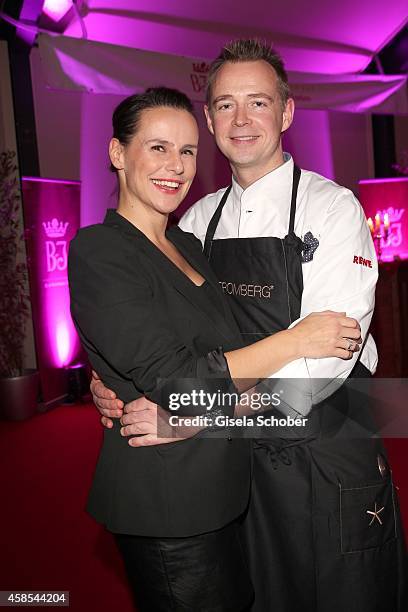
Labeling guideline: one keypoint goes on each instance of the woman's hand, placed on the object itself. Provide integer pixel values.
(327, 334)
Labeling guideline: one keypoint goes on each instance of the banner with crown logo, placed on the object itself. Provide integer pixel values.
(100, 68)
(52, 216)
(387, 200)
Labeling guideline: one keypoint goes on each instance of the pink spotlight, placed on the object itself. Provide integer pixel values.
(56, 9)
(63, 343)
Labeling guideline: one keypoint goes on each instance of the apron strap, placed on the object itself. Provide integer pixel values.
(212, 226)
(295, 185)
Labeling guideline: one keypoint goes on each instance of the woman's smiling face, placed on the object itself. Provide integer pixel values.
(157, 167)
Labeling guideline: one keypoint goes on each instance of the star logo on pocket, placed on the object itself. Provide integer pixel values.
(375, 514)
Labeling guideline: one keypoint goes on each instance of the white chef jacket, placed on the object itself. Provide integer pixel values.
(341, 276)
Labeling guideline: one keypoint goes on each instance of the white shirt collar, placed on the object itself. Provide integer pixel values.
(275, 182)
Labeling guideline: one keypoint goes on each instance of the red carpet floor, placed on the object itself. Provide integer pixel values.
(48, 542)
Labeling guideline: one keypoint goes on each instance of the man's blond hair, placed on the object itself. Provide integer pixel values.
(250, 50)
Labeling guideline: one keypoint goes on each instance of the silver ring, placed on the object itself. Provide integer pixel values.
(350, 345)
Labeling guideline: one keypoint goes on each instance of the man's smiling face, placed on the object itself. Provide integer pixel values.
(247, 117)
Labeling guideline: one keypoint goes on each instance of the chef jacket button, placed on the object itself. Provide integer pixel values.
(382, 466)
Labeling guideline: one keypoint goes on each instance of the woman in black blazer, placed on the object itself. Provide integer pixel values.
(154, 322)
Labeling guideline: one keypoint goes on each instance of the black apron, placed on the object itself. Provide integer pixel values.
(307, 533)
(263, 276)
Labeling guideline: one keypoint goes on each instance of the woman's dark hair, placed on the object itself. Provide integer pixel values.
(126, 116)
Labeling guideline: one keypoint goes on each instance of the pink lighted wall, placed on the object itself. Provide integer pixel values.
(388, 196)
(308, 140)
(51, 210)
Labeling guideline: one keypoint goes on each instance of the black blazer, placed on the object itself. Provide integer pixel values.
(149, 330)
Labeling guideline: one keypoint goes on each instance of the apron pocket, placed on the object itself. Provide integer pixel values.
(367, 517)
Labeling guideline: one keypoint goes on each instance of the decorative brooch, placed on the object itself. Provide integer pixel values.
(310, 244)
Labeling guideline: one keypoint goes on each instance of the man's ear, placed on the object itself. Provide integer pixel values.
(288, 113)
(208, 118)
(116, 154)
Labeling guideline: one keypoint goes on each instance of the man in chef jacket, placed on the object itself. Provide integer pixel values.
(322, 517)
(249, 107)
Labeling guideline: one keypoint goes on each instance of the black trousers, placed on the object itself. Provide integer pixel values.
(203, 573)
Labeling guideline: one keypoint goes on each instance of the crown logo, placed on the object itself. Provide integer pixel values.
(201, 68)
(394, 214)
(54, 229)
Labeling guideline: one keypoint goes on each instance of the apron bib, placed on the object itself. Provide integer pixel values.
(261, 276)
